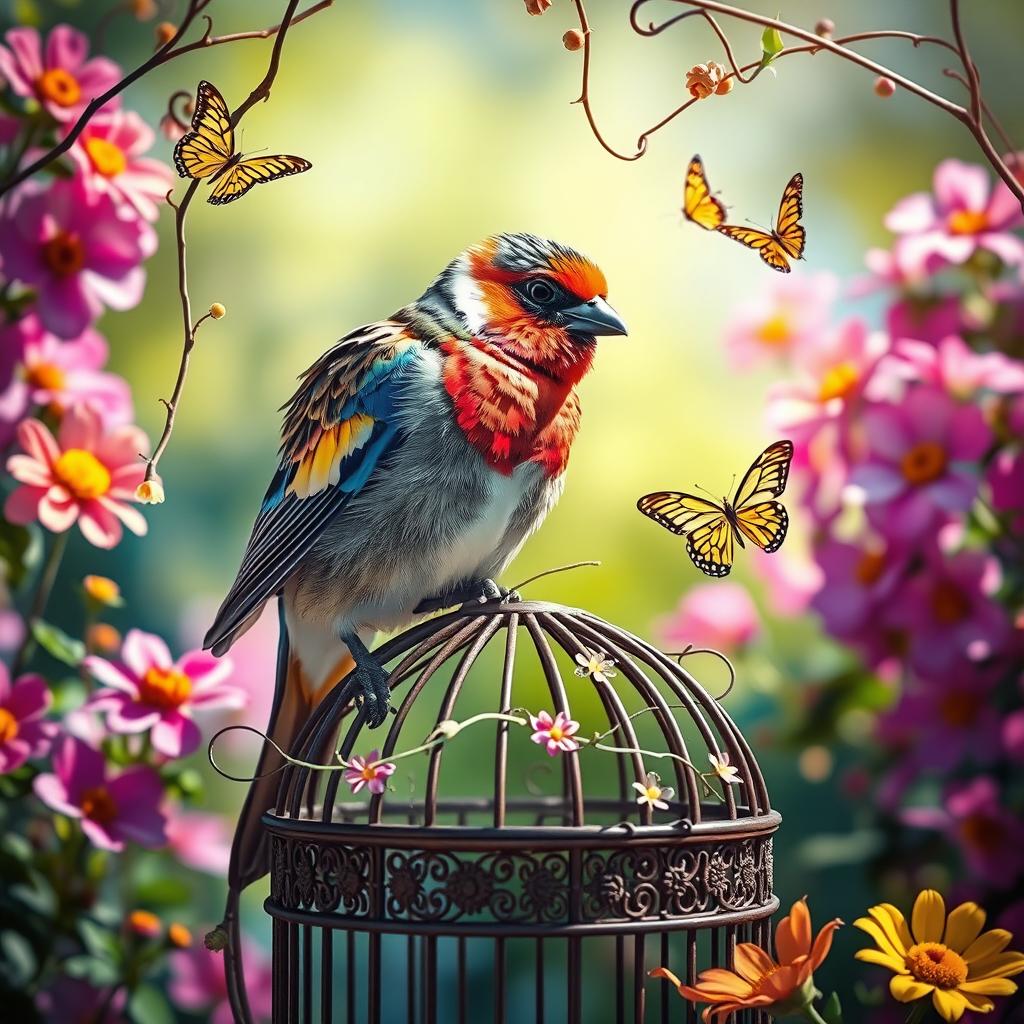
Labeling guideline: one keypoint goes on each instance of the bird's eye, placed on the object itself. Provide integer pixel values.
(540, 292)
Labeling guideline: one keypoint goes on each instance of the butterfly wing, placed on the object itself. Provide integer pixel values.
(699, 205)
(710, 546)
(765, 524)
(709, 536)
(762, 242)
(759, 518)
(254, 171)
(789, 233)
(211, 143)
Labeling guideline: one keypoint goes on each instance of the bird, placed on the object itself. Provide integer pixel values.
(417, 455)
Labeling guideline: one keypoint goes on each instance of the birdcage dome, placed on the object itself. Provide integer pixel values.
(484, 842)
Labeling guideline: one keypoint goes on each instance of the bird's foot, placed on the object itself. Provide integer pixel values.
(373, 694)
(478, 591)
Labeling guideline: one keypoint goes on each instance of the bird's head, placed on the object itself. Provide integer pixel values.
(541, 303)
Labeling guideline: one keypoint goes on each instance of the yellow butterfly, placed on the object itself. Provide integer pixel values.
(711, 529)
(785, 239)
(699, 205)
(208, 151)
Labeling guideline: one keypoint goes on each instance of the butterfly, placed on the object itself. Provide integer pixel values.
(712, 529)
(699, 205)
(208, 151)
(785, 239)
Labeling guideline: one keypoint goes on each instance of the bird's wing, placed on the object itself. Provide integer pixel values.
(337, 427)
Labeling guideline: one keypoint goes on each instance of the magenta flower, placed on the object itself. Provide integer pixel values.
(964, 214)
(951, 366)
(199, 840)
(832, 377)
(149, 692)
(717, 615)
(922, 461)
(947, 612)
(23, 732)
(55, 374)
(77, 252)
(109, 154)
(1006, 484)
(554, 734)
(365, 771)
(197, 983)
(113, 810)
(85, 475)
(61, 78)
(791, 313)
(791, 578)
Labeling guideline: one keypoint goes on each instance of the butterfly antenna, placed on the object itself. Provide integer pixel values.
(706, 491)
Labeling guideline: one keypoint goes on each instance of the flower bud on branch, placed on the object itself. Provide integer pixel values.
(704, 79)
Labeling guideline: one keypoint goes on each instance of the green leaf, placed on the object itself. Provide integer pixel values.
(163, 892)
(99, 973)
(17, 959)
(771, 45)
(832, 1011)
(58, 644)
(149, 1006)
(16, 552)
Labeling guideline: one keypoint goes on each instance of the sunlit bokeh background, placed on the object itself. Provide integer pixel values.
(431, 123)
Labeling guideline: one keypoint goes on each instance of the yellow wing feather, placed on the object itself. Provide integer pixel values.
(699, 205)
(211, 143)
(254, 171)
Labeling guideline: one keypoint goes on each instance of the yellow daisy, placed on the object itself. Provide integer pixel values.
(947, 958)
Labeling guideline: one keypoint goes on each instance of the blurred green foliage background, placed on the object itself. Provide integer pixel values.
(431, 123)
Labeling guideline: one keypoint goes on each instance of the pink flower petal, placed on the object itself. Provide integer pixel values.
(66, 48)
(22, 505)
(175, 735)
(29, 698)
(80, 428)
(111, 675)
(99, 526)
(36, 439)
(960, 186)
(142, 651)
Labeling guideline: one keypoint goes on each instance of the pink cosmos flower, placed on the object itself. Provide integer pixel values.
(199, 840)
(1006, 484)
(791, 313)
(56, 374)
(197, 983)
(77, 252)
(23, 733)
(965, 214)
(792, 579)
(113, 810)
(85, 475)
(148, 692)
(364, 772)
(554, 734)
(833, 375)
(109, 156)
(61, 78)
(990, 836)
(717, 615)
(922, 461)
(952, 366)
(948, 614)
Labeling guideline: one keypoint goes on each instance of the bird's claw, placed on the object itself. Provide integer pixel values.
(374, 697)
(478, 592)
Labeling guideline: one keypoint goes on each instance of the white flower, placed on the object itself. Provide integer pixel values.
(595, 665)
(653, 793)
(720, 766)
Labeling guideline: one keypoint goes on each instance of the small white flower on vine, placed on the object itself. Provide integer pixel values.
(595, 665)
(720, 766)
(653, 793)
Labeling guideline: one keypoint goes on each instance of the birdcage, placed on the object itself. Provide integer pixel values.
(496, 883)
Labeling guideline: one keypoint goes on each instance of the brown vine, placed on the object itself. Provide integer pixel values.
(973, 116)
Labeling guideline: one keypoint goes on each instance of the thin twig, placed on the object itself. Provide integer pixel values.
(168, 52)
(260, 92)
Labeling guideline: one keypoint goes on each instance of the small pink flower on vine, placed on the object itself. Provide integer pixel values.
(653, 793)
(556, 734)
(369, 771)
(595, 665)
(728, 773)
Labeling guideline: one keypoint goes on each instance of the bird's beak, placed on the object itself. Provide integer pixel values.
(595, 317)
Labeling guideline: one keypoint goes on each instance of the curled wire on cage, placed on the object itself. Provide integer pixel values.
(690, 649)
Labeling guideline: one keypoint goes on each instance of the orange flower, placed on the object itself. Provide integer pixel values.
(781, 987)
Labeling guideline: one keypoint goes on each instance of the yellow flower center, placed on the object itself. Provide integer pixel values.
(949, 603)
(967, 222)
(555, 733)
(98, 804)
(653, 792)
(838, 382)
(59, 86)
(106, 158)
(82, 474)
(45, 376)
(165, 688)
(925, 462)
(774, 331)
(936, 964)
(8, 726)
(869, 568)
(959, 709)
(64, 254)
(369, 774)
